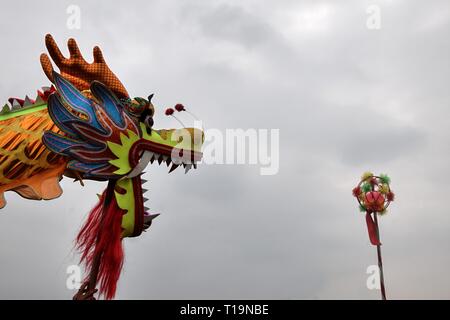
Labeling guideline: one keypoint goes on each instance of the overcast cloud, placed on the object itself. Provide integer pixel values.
(345, 98)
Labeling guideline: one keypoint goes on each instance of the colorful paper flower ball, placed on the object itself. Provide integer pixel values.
(373, 193)
(374, 201)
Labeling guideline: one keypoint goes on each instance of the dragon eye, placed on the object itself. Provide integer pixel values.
(148, 121)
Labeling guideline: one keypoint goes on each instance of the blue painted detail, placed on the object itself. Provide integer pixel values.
(84, 139)
(84, 167)
(109, 101)
(75, 99)
(60, 115)
(62, 145)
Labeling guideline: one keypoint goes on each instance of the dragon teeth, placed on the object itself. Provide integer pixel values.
(143, 162)
(145, 199)
(146, 208)
(144, 190)
(152, 156)
(148, 219)
(187, 168)
(174, 166)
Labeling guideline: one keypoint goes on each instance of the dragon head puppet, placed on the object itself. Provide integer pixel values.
(87, 127)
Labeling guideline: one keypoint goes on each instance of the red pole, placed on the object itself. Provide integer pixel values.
(380, 261)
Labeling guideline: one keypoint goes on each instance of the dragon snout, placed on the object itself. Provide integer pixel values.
(174, 147)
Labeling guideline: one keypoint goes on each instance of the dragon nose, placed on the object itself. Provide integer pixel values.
(194, 136)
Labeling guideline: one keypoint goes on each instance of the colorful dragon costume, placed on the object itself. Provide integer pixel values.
(86, 126)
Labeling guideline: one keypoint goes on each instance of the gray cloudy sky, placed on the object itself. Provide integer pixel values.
(346, 99)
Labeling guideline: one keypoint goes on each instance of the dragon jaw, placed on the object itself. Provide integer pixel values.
(151, 148)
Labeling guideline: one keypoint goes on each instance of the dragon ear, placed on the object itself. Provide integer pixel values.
(72, 96)
(70, 93)
(109, 102)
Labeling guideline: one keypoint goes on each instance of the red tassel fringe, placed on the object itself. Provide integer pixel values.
(100, 238)
(372, 229)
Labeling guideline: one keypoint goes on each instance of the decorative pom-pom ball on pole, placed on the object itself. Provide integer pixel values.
(374, 195)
